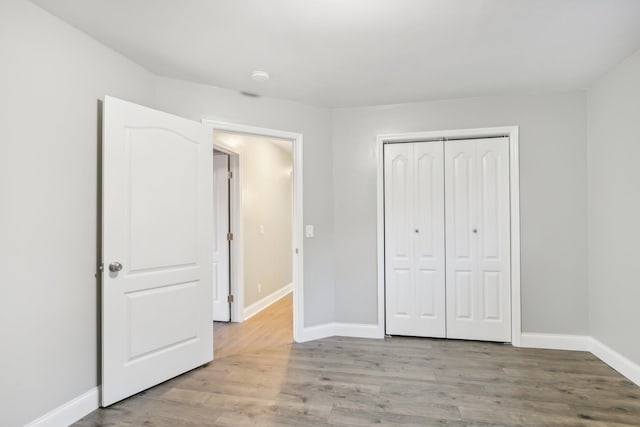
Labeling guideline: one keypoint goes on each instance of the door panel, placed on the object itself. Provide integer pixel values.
(149, 307)
(157, 209)
(426, 287)
(491, 292)
(494, 258)
(221, 308)
(414, 239)
(401, 198)
(403, 302)
(399, 248)
(489, 187)
(463, 295)
(478, 256)
(463, 199)
(162, 190)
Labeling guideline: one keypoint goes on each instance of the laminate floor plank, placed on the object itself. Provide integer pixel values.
(260, 378)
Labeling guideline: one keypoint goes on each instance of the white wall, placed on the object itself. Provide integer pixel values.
(614, 208)
(267, 195)
(51, 79)
(552, 194)
(197, 101)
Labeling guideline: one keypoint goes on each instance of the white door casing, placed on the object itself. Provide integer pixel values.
(157, 223)
(221, 308)
(478, 239)
(414, 239)
(300, 332)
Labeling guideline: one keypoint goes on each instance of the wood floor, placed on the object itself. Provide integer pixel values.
(259, 378)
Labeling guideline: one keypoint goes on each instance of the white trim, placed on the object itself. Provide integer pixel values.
(556, 341)
(352, 330)
(356, 330)
(620, 363)
(514, 182)
(298, 258)
(71, 411)
(265, 302)
(617, 361)
(317, 332)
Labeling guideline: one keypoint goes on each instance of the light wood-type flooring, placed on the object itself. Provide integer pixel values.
(259, 378)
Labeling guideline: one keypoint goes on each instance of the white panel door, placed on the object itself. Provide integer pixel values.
(414, 239)
(221, 308)
(478, 239)
(157, 228)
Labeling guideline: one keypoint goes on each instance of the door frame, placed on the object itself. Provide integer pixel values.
(237, 261)
(514, 208)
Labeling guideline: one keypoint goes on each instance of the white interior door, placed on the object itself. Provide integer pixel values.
(221, 308)
(157, 228)
(414, 239)
(478, 239)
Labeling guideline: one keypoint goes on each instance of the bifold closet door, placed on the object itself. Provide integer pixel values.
(478, 239)
(414, 239)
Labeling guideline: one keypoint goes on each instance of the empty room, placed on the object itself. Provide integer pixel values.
(338, 212)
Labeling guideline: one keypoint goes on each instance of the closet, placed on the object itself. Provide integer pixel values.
(447, 239)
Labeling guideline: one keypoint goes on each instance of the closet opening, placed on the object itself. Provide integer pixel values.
(448, 234)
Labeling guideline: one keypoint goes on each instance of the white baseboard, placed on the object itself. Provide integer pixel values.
(626, 367)
(357, 330)
(317, 332)
(70, 412)
(353, 330)
(555, 341)
(620, 363)
(265, 302)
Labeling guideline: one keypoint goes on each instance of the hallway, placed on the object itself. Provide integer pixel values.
(270, 327)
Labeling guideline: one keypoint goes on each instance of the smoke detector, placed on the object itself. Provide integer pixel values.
(260, 76)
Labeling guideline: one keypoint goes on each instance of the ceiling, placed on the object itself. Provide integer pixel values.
(338, 53)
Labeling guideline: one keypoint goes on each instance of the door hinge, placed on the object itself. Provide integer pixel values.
(230, 299)
(230, 174)
(229, 236)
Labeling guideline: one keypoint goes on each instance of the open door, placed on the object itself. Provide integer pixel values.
(156, 236)
(221, 291)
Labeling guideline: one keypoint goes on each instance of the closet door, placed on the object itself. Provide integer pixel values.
(414, 239)
(478, 239)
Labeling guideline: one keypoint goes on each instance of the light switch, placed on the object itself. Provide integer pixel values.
(308, 230)
(261, 228)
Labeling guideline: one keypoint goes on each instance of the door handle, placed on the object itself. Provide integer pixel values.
(114, 267)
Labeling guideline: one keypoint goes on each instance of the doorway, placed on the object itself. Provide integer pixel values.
(265, 217)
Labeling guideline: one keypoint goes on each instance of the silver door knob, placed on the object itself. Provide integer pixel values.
(114, 267)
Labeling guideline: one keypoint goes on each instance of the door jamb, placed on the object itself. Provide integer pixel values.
(514, 185)
(237, 280)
